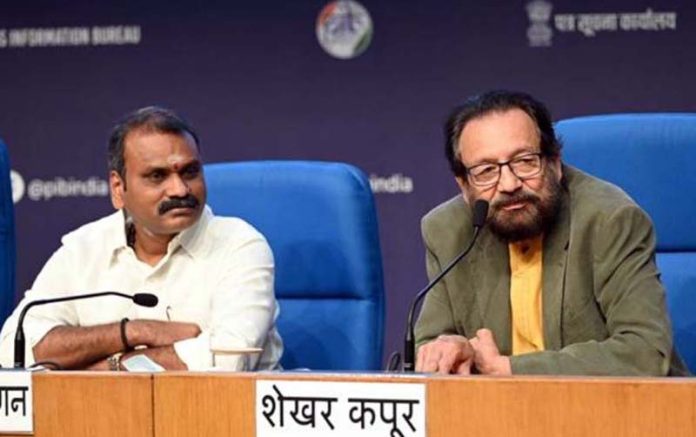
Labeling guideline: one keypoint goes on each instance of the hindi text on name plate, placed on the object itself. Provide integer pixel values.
(16, 404)
(337, 409)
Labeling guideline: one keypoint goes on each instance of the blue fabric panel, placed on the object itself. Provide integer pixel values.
(651, 157)
(321, 223)
(7, 237)
(327, 334)
(679, 277)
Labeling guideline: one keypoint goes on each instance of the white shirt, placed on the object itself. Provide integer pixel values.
(218, 274)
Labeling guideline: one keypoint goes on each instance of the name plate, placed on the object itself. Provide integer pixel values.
(16, 402)
(337, 409)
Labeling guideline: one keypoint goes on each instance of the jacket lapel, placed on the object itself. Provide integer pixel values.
(555, 254)
(491, 272)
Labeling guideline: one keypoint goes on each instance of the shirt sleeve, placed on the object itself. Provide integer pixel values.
(244, 310)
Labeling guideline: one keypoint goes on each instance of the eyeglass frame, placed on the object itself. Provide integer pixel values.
(507, 163)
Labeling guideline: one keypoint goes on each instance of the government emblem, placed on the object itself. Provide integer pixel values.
(344, 29)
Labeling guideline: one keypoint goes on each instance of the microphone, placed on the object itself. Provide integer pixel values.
(479, 219)
(145, 299)
(142, 299)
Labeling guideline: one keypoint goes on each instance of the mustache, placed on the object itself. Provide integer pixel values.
(188, 201)
(515, 198)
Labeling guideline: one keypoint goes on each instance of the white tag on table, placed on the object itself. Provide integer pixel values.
(16, 401)
(350, 409)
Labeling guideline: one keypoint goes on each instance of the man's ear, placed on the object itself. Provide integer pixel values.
(558, 166)
(117, 186)
(463, 186)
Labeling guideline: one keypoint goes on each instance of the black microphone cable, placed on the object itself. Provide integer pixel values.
(142, 299)
(409, 362)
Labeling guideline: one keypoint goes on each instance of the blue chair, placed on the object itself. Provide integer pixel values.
(320, 221)
(7, 238)
(652, 157)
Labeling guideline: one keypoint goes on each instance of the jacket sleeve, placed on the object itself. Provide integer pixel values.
(436, 317)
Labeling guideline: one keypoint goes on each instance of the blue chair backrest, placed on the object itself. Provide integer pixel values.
(320, 221)
(650, 156)
(7, 237)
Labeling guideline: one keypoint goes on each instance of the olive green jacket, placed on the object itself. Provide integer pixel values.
(603, 304)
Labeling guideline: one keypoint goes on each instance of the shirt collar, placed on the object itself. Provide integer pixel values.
(192, 239)
(116, 239)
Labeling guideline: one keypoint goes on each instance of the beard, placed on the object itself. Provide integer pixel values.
(536, 217)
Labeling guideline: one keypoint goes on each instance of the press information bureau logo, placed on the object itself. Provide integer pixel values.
(76, 36)
(344, 29)
(545, 22)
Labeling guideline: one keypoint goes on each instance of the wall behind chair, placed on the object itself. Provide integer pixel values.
(255, 82)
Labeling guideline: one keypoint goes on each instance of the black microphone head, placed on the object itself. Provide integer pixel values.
(480, 213)
(145, 299)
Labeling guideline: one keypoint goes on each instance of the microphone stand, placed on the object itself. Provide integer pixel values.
(144, 299)
(479, 219)
(409, 341)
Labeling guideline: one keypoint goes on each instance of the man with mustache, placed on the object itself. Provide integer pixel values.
(213, 275)
(562, 279)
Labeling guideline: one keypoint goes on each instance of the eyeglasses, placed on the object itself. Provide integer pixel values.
(488, 174)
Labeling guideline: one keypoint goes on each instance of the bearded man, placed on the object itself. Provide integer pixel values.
(562, 279)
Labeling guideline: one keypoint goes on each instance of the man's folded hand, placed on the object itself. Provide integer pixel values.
(446, 354)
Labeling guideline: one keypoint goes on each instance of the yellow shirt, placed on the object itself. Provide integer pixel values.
(525, 296)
